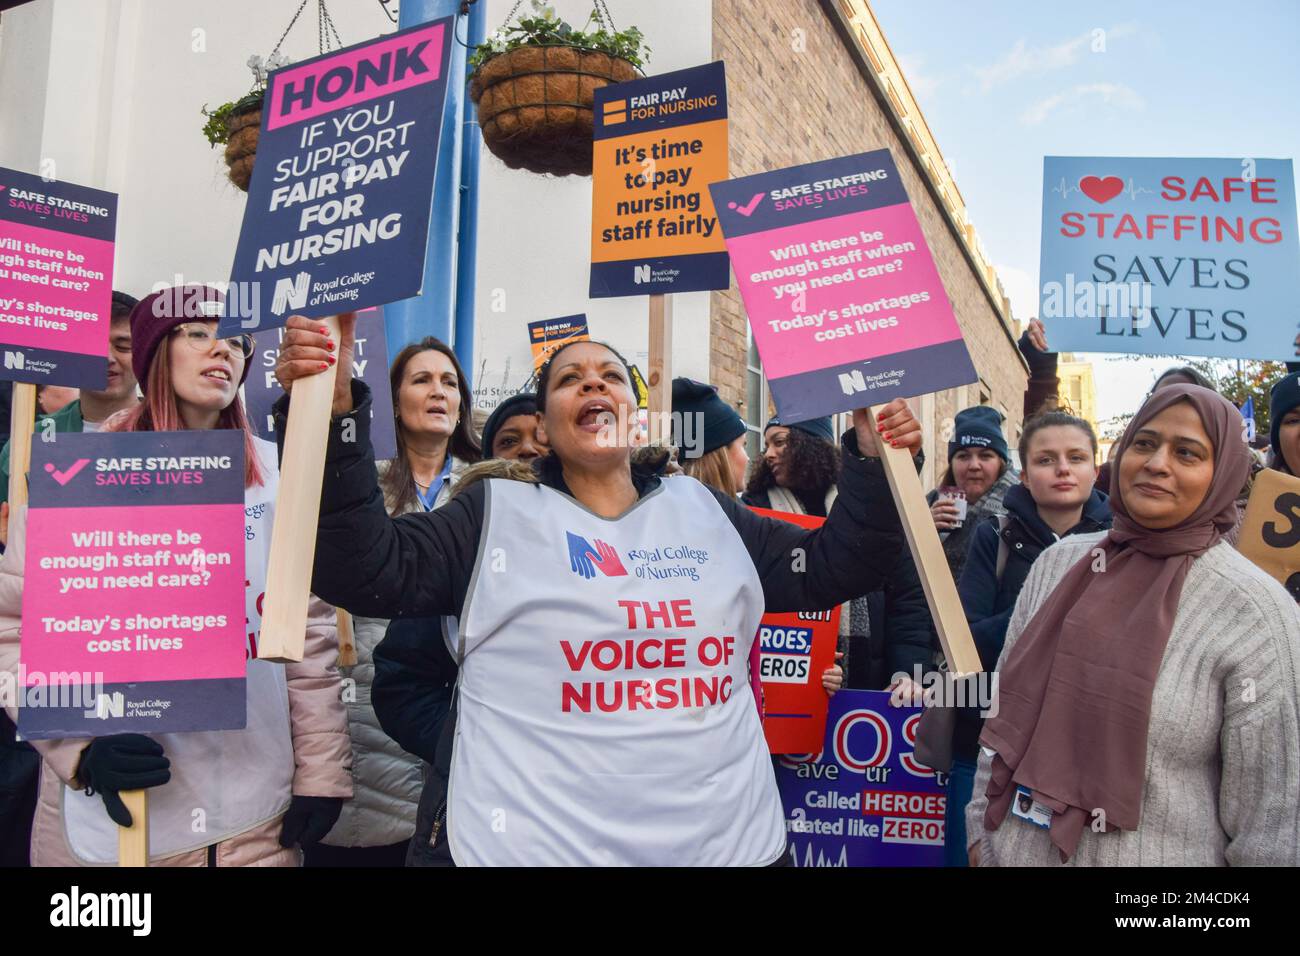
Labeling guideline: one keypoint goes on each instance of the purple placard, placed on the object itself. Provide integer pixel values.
(369, 363)
(864, 800)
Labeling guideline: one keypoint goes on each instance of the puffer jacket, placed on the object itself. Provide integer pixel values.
(317, 725)
(386, 780)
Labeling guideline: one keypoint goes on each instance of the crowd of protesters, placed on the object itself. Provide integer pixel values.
(1148, 674)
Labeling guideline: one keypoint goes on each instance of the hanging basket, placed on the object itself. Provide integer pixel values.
(535, 105)
(244, 123)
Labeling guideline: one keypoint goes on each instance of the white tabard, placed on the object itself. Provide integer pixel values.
(605, 713)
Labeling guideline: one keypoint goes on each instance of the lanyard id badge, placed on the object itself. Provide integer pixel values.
(1027, 808)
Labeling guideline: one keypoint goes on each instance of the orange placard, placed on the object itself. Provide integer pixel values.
(795, 648)
(546, 336)
(658, 143)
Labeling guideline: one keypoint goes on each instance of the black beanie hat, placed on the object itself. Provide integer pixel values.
(817, 427)
(717, 425)
(979, 427)
(1284, 396)
(521, 403)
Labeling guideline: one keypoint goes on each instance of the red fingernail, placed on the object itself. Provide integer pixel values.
(324, 330)
(324, 366)
(896, 444)
(330, 360)
(888, 436)
(330, 345)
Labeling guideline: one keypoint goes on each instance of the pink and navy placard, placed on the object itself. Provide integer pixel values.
(133, 606)
(56, 281)
(338, 206)
(864, 800)
(842, 293)
(1162, 256)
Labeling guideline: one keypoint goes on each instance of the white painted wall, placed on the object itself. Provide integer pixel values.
(107, 93)
(535, 231)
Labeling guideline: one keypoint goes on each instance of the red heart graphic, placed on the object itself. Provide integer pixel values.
(1101, 190)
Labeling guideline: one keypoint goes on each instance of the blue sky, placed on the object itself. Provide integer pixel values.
(1004, 84)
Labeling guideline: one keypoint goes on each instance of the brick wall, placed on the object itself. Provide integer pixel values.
(788, 107)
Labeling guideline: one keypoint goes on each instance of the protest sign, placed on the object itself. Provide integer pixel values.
(338, 206)
(1170, 256)
(1270, 529)
(133, 603)
(843, 296)
(348, 138)
(369, 364)
(864, 800)
(56, 281)
(659, 142)
(795, 648)
(546, 336)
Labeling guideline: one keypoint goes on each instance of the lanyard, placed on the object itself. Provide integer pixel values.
(429, 499)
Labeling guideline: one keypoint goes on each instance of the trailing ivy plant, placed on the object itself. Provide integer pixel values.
(215, 129)
(545, 28)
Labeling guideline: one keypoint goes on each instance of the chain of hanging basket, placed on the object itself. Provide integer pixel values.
(244, 123)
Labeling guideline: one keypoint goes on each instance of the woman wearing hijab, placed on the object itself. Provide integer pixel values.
(1149, 696)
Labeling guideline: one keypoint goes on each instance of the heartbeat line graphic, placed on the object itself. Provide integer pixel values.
(1065, 189)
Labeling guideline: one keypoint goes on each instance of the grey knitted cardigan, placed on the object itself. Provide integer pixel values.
(1223, 753)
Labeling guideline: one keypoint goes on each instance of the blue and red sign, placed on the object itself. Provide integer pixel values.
(585, 560)
(864, 799)
(1170, 256)
(844, 298)
(338, 207)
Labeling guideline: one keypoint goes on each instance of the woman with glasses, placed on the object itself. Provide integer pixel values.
(282, 780)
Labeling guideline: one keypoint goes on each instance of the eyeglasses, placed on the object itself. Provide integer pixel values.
(201, 339)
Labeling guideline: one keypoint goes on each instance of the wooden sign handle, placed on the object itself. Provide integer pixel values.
(347, 640)
(661, 369)
(133, 841)
(297, 512)
(21, 422)
(931, 563)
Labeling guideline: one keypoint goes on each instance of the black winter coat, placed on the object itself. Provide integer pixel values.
(422, 564)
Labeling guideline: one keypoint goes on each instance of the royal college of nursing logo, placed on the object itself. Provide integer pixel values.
(585, 561)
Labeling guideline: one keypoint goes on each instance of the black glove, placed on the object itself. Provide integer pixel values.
(309, 819)
(1041, 364)
(119, 762)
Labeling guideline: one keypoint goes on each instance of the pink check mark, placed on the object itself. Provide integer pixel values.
(63, 477)
(749, 207)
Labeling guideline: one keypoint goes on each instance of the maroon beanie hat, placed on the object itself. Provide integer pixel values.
(157, 314)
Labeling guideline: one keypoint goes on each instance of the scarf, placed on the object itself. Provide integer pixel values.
(1075, 692)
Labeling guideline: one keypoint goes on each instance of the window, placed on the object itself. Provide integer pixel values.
(755, 398)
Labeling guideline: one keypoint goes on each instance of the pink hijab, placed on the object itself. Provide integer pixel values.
(1075, 691)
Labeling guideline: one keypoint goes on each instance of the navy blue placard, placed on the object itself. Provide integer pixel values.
(62, 207)
(317, 238)
(790, 197)
(703, 98)
(369, 364)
